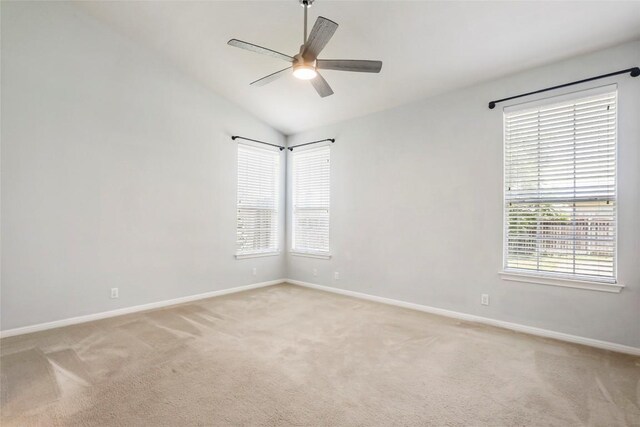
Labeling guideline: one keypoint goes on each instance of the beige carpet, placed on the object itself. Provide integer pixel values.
(286, 355)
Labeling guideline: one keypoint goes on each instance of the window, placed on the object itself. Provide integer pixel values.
(560, 188)
(258, 179)
(311, 170)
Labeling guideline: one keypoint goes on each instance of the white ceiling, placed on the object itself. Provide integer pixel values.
(428, 47)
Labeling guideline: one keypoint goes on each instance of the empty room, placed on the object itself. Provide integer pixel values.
(320, 213)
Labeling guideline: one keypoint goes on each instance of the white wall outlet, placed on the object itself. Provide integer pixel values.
(336, 275)
(114, 293)
(315, 271)
(254, 271)
(484, 300)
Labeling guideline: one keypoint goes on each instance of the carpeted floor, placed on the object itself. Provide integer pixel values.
(286, 355)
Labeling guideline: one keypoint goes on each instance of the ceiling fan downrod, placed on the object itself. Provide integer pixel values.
(305, 4)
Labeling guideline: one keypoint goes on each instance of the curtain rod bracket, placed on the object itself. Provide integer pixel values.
(633, 72)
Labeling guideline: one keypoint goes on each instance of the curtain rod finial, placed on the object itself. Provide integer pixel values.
(635, 72)
(492, 105)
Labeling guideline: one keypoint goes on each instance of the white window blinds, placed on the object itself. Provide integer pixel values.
(311, 172)
(560, 188)
(258, 181)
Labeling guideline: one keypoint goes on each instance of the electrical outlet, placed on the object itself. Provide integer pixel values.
(484, 300)
(336, 275)
(114, 293)
(254, 271)
(315, 271)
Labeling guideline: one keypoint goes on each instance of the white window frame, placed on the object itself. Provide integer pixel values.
(543, 278)
(295, 251)
(271, 250)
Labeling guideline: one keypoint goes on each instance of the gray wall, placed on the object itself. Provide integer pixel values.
(117, 171)
(417, 207)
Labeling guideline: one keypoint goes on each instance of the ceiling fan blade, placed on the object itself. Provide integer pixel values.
(349, 65)
(271, 77)
(320, 35)
(259, 49)
(321, 86)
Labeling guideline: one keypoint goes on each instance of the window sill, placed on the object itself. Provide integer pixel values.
(560, 281)
(311, 255)
(257, 255)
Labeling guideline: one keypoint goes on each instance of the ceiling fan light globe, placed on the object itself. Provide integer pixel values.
(304, 72)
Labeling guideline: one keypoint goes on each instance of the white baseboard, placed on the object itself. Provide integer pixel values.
(134, 309)
(605, 345)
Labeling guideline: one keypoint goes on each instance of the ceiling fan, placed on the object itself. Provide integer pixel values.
(305, 64)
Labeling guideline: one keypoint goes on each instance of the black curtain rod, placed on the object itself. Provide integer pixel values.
(314, 142)
(234, 137)
(633, 72)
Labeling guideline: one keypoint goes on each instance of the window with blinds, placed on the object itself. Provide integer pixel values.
(560, 188)
(258, 181)
(311, 171)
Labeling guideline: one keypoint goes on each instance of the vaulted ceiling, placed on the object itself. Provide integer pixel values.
(428, 47)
